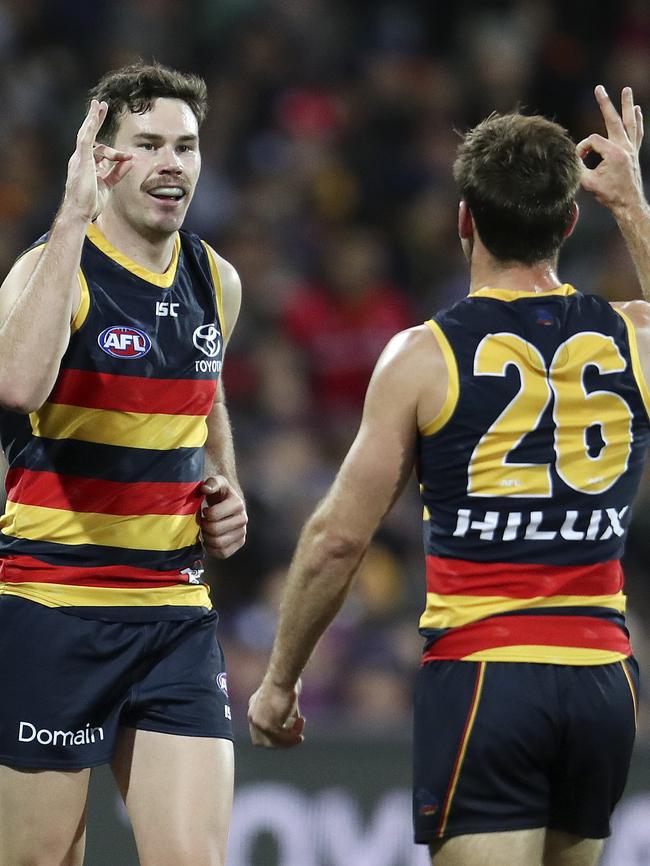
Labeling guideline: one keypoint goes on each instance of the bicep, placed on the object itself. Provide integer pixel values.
(381, 458)
(18, 277)
(16, 280)
(372, 476)
(409, 381)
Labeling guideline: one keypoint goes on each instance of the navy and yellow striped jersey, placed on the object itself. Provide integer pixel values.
(527, 476)
(103, 481)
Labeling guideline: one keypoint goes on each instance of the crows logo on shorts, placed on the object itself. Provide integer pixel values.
(222, 682)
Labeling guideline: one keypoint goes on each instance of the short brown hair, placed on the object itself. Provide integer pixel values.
(134, 88)
(519, 175)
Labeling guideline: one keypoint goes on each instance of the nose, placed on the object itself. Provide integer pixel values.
(170, 162)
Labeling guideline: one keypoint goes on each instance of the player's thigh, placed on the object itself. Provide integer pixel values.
(178, 792)
(42, 817)
(565, 849)
(515, 847)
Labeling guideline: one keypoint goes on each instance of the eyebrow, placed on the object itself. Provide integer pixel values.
(155, 137)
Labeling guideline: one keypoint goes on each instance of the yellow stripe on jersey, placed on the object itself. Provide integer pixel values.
(507, 295)
(59, 595)
(637, 369)
(218, 291)
(551, 655)
(450, 611)
(453, 387)
(163, 281)
(127, 429)
(140, 532)
(84, 304)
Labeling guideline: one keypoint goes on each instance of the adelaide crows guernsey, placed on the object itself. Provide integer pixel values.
(103, 487)
(527, 477)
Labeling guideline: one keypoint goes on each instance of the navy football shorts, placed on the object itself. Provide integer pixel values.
(511, 746)
(68, 684)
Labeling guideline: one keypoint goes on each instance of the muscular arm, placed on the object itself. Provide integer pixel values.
(634, 224)
(408, 387)
(37, 301)
(223, 521)
(41, 293)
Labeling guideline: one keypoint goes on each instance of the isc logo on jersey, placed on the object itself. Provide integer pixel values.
(122, 341)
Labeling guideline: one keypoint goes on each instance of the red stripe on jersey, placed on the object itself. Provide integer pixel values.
(522, 579)
(588, 632)
(16, 568)
(72, 493)
(134, 393)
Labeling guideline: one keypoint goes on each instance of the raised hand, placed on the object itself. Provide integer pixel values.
(93, 169)
(616, 181)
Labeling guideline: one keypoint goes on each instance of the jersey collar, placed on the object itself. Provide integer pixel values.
(508, 295)
(163, 281)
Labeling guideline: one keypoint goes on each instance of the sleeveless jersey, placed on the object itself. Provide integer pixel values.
(527, 477)
(103, 481)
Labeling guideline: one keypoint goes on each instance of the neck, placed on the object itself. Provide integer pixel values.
(151, 252)
(485, 271)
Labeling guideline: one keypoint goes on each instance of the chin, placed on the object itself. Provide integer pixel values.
(167, 225)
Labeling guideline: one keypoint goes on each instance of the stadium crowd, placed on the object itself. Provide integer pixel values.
(327, 182)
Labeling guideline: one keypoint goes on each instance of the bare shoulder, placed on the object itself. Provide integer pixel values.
(638, 312)
(228, 276)
(230, 289)
(415, 347)
(414, 369)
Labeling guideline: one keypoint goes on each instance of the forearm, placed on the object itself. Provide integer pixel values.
(634, 224)
(318, 582)
(219, 447)
(36, 330)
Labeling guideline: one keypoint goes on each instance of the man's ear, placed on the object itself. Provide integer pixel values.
(575, 213)
(465, 221)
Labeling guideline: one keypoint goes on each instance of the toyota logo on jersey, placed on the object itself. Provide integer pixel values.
(122, 341)
(206, 338)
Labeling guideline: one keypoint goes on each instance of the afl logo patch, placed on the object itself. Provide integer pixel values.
(222, 682)
(122, 341)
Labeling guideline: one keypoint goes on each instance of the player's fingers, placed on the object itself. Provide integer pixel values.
(628, 114)
(87, 122)
(278, 738)
(218, 526)
(588, 179)
(639, 126)
(103, 151)
(92, 122)
(613, 123)
(594, 143)
(223, 541)
(258, 737)
(215, 489)
(118, 171)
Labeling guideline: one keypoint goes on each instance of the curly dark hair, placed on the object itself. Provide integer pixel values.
(519, 175)
(135, 87)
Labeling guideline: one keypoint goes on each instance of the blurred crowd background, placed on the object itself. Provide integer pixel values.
(326, 181)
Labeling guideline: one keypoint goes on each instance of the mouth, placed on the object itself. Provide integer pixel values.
(167, 194)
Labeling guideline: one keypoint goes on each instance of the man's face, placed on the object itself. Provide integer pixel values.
(154, 195)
